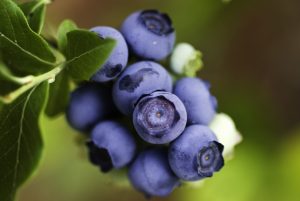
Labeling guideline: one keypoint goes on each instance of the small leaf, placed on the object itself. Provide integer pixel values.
(86, 52)
(58, 95)
(65, 27)
(35, 13)
(22, 49)
(20, 140)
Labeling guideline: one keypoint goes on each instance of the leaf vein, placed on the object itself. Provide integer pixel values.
(5, 133)
(7, 151)
(27, 52)
(9, 113)
(20, 137)
(83, 54)
(12, 28)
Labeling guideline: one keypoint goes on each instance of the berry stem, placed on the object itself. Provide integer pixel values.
(7, 75)
(9, 98)
(31, 81)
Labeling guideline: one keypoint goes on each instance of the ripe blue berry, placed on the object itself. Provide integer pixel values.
(111, 145)
(159, 117)
(150, 173)
(118, 58)
(196, 154)
(199, 103)
(149, 34)
(139, 79)
(89, 103)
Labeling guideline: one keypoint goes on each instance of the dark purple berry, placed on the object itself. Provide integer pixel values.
(196, 154)
(139, 79)
(151, 174)
(111, 146)
(199, 103)
(89, 104)
(150, 34)
(159, 117)
(117, 61)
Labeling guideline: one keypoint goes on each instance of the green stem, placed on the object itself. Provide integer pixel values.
(30, 81)
(22, 80)
(41, 2)
(49, 76)
(7, 75)
(35, 80)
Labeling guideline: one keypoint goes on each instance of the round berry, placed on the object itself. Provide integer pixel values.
(139, 79)
(149, 34)
(117, 60)
(150, 173)
(199, 103)
(159, 118)
(111, 146)
(89, 104)
(196, 154)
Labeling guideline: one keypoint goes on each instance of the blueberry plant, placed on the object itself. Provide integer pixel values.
(132, 94)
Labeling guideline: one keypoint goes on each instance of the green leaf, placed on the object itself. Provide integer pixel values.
(86, 52)
(65, 27)
(22, 49)
(20, 139)
(58, 95)
(1, 105)
(35, 13)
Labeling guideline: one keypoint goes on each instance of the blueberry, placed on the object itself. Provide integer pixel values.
(118, 58)
(196, 154)
(150, 173)
(149, 34)
(89, 103)
(111, 146)
(137, 80)
(159, 117)
(199, 103)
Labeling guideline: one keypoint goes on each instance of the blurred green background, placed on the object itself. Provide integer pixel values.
(252, 58)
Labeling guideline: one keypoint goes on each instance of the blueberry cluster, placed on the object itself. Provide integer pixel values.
(137, 118)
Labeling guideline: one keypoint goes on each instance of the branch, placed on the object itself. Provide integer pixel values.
(49, 76)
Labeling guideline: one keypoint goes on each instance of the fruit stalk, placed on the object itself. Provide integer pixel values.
(36, 80)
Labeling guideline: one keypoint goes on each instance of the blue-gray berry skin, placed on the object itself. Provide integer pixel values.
(118, 59)
(199, 103)
(160, 117)
(149, 34)
(151, 174)
(137, 80)
(111, 146)
(89, 104)
(196, 154)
